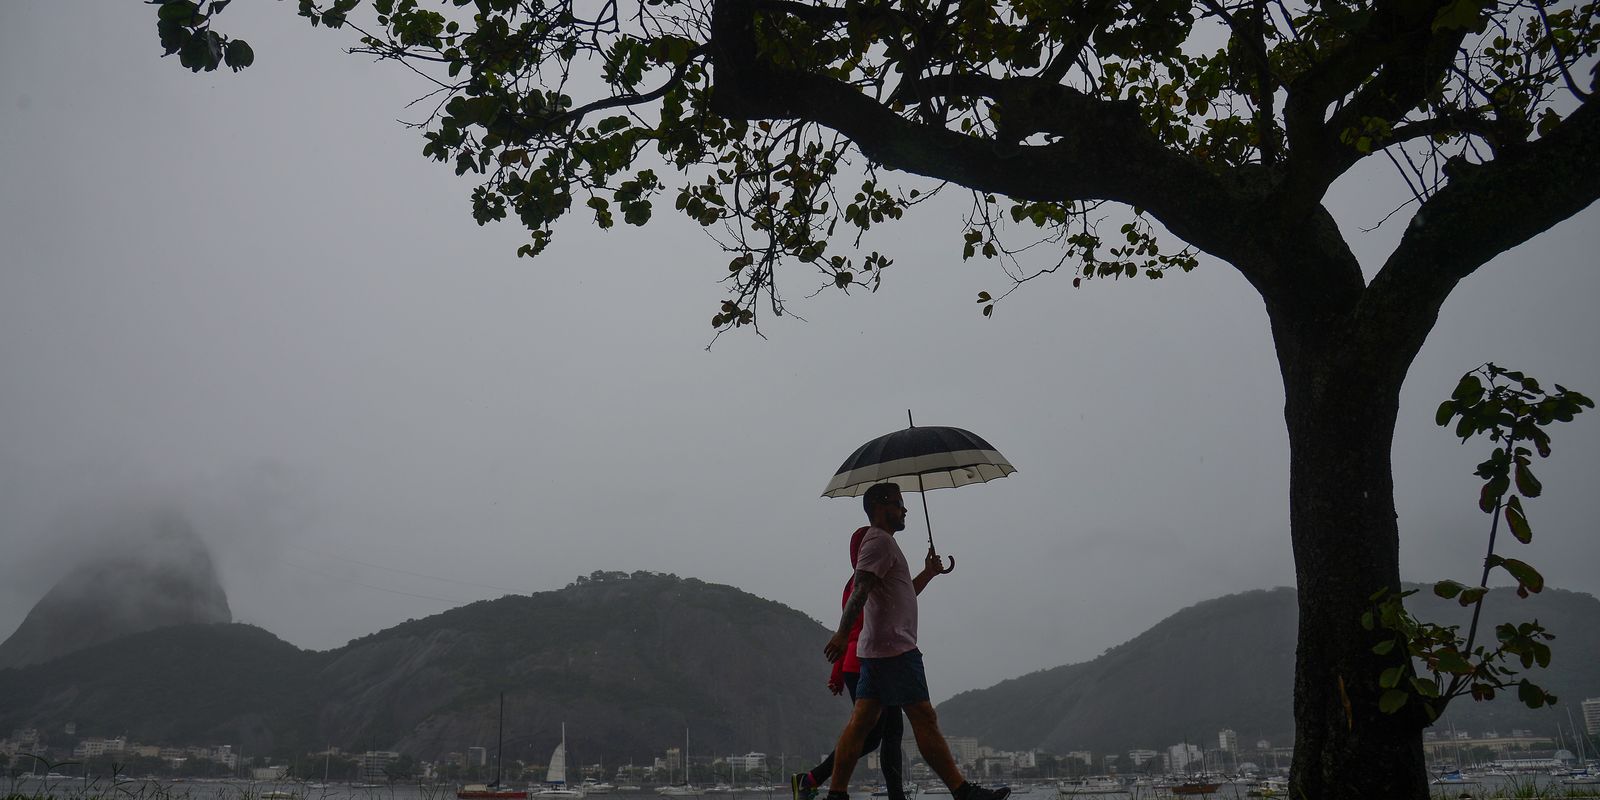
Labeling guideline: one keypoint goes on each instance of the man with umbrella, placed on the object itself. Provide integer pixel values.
(885, 595)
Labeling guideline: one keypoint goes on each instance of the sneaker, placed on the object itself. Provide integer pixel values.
(972, 791)
(802, 786)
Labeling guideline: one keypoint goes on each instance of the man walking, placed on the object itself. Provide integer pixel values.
(891, 665)
(845, 675)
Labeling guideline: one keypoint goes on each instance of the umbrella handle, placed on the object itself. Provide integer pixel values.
(949, 569)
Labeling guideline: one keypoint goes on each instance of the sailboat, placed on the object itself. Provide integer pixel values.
(493, 791)
(686, 788)
(555, 780)
(1581, 775)
(327, 754)
(1200, 783)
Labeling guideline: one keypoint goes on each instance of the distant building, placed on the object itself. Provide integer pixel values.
(1139, 757)
(994, 766)
(1082, 756)
(477, 756)
(1591, 715)
(1180, 756)
(1228, 741)
(964, 748)
(374, 765)
(749, 762)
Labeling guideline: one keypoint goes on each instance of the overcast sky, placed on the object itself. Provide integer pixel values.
(249, 296)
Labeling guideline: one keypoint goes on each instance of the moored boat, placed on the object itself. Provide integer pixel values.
(491, 791)
(484, 791)
(1094, 785)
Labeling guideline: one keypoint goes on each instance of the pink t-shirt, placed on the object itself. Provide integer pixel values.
(890, 626)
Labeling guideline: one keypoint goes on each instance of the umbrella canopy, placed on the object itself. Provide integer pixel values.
(919, 459)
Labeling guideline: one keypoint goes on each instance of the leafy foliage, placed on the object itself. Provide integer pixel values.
(184, 27)
(1509, 407)
(560, 107)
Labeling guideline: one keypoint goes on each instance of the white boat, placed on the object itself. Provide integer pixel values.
(685, 789)
(555, 780)
(1097, 784)
(592, 786)
(721, 788)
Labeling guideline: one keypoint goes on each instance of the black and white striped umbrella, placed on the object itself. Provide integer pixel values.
(920, 460)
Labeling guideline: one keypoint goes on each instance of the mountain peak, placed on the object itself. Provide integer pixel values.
(151, 571)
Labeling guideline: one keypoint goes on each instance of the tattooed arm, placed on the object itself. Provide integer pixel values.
(865, 583)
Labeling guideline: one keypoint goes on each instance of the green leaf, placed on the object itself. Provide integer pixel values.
(1390, 677)
(1526, 483)
(1447, 589)
(238, 55)
(1447, 410)
(1518, 521)
(1384, 647)
(1493, 490)
(1451, 661)
(1469, 389)
(1392, 700)
(1530, 695)
(1525, 575)
(181, 11)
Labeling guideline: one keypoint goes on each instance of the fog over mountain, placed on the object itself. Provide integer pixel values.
(139, 569)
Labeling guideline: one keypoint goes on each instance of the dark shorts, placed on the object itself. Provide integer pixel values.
(895, 681)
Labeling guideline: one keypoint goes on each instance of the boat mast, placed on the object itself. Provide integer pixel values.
(1576, 737)
(499, 739)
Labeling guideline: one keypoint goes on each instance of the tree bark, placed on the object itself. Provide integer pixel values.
(1341, 404)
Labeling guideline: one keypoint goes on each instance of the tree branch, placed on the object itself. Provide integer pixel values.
(1484, 211)
(1390, 64)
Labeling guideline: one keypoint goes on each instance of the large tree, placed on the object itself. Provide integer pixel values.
(1222, 123)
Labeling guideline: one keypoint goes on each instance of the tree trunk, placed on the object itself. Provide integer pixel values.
(1341, 402)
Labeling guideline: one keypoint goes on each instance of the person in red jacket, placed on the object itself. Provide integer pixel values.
(891, 726)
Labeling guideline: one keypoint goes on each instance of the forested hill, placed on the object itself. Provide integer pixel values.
(625, 661)
(1229, 663)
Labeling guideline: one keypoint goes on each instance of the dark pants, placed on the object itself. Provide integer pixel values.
(885, 738)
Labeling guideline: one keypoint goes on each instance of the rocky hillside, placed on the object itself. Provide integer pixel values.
(152, 572)
(625, 661)
(1229, 663)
